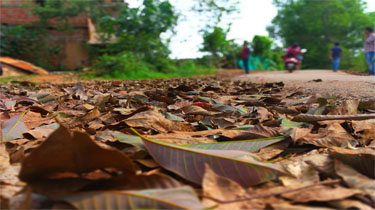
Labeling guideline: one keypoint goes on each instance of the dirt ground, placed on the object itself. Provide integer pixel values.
(55, 78)
(325, 82)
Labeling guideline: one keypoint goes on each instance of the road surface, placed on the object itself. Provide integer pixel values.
(328, 83)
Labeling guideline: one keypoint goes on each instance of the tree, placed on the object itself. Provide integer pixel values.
(213, 12)
(215, 42)
(315, 25)
(139, 32)
(262, 46)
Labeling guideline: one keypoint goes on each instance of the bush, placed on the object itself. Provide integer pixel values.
(127, 65)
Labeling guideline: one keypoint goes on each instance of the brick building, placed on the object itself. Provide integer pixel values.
(73, 44)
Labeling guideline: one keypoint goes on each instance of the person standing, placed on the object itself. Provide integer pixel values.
(245, 54)
(336, 56)
(370, 49)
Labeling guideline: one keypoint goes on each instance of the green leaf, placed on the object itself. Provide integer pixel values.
(46, 99)
(173, 117)
(129, 139)
(175, 198)
(243, 167)
(247, 145)
(285, 123)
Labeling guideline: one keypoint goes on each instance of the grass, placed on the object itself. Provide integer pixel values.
(133, 72)
(9, 79)
(184, 70)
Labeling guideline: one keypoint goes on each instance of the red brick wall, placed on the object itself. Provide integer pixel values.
(14, 12)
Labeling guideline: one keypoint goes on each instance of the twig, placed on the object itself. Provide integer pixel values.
(315, 118)
(271, 194)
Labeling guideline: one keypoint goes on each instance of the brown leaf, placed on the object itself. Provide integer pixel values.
(66, 152)
(256, 132)
(183, 137)
(263, 114)
(85, 107)
(301, 173)
(287, 206)
(34, 119)
(321, 193)
(355, 179)
(9, 182)
(79, 92)
(196, 110)
(100, 101)
(364, 129)
(91, 115)
(152, 180)
(361, 159)
(349, 107)
(333, 135)
(222, 188)
(179, 105)
(350, 204)
(154, 120)
(38, 133)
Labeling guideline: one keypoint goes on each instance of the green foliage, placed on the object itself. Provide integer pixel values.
(64, 10)
(17, 40)
(317, 24)
(215, 42)
(222, 51)
(355, 62)
(27, 43)
(127, 65)
(214, 12)
(138, 31)
(263, 57)
(262, 46)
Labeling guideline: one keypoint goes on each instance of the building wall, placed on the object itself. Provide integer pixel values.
(73, 52)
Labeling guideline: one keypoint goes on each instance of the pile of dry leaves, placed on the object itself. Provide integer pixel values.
(183, 144)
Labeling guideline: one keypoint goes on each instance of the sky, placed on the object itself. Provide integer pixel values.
(253, 19)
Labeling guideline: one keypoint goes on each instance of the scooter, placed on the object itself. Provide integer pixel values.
(291, 62)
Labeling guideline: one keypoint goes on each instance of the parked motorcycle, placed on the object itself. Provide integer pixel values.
(292, 61)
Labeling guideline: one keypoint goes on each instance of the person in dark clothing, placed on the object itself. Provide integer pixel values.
(245, 54)
(370, 49)
(335, 56)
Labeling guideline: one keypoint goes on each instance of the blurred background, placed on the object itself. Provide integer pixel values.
(135, 39)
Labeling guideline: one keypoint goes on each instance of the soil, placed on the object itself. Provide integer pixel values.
(55, 78)
(328, 83)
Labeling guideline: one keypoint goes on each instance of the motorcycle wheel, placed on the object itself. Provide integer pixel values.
(290, 68)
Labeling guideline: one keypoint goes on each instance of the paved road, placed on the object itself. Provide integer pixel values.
(339, 84)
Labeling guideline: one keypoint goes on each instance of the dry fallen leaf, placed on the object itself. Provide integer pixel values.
(193, 111)
(73, 152)
(355, 180)
(152, 119)
(224, 189)
(321, 193)
(361, 159)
